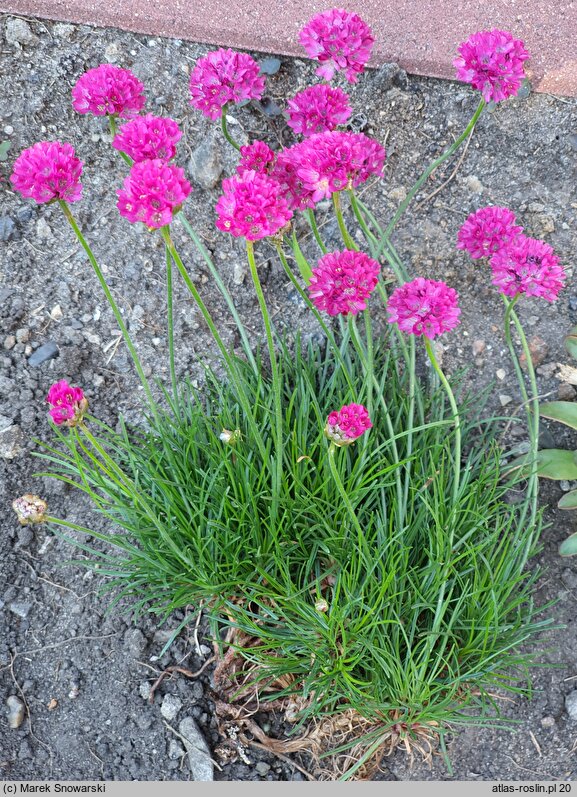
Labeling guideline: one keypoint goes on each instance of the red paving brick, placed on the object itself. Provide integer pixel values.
(421, 35)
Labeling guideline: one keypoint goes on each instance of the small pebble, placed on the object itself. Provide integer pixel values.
(239, 273)
(7, 228)
(478, 347)
(566, 392)
(270, 66)
(135, 642)
(44, 353)
(569, 578)
(571, 705)
(474, 184)
(9, 342)
(573, 140)
(16, 712)
(20, 608)
(170, 707)
(18, 32)
(198, 753)
(504, 399)
(206, 162)
(501, 374)
(11, 441)
(262, 768)
(548, 722)
(145, 689)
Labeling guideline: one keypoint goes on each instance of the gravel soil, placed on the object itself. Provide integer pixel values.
(84, 674)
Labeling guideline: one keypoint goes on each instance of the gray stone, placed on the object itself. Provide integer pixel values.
(262, 768)
(175, 750)
(206, 162)
(25, 536)
(571, 705)
(18, 32)
(16, 712)
(569, 578)
(135, 642)
(5, 422)
(44, 353)
(270, 107)
(170, 707)
(7, 227)
(270, 66)
(573, 140)
(20, 608)
(11, 440)
(63, 31)
(198, 753)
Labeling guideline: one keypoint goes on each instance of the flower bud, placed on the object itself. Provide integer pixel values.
(30, 509)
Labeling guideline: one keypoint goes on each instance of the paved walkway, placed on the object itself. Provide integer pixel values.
(421, 35)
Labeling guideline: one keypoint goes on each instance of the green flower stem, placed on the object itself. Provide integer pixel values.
(232, 370)
(276, 383)
(310, 214)
(222, 288)
(225, 132)
(170, 323)
(531, 403)
(113, 130)
(456, 417)
(342, 491)
(347, 240)
(410, 422)
(427, 173)
(369, 235)
(113, 306)
(385, 247)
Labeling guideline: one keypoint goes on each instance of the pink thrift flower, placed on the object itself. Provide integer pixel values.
(342, 282)
(424, 307)
(48, 170)
(252, 206)
(108, 90)
(223, 77)
(68, 405)
(346, 425)
(318, 109)
(285, 173)
(338, 39)
(487, 231)
(148, 137)
(256, 157)
(492, 62)
(528, 265)
(152, 193)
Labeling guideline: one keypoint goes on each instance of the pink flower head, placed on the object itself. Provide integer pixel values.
(108, 90)
(222, 77)
(325, 163)
(318, 109)
(67, 404)
(487, 231)
(346, 425)
(492, 62)
(528, 265)
(424, 307)
(48, 170)
(152, 193)
(252, 206)
(256, 157)
(148, 137)
(342, 282)
(338, 39)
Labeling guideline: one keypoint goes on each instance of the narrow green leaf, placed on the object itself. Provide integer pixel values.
(569, 546)
(562, 411)
(571, 342)
(4, 147)
(302, 262)
(568, 501)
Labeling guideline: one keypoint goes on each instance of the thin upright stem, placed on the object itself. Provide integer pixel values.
(113, 130)
(170, 323)
(276, 384)
(347, 240)
(224, 128)
(310, 214)
(342, 491)
(113, 306)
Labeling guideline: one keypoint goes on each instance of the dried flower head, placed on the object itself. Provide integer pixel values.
(148, 137)
(255, 157)
(342, 282)
(487, 231)
(318, 109)
(492, 61)
(346, 425)
(529, 266)
(152, 193)
(252, 206)
(30, 509)
(424, 307)
(68, 405)
(223, 77)
(108, 90)
(230, 438)
(339, 40)
(46, 171)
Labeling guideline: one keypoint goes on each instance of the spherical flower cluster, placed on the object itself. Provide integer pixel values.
(222, 77)
(492, 61)
(148, 137)
(152, 193)
(348, 424)
(48, 170)
(342, 282)
(528, 266)
(424, 307)
(487, 231)
(318, 109)
(30, 509)
(67, 404)
(325, 163)
(338, 39)
(256, 157)
(108, 89)
(252, 206)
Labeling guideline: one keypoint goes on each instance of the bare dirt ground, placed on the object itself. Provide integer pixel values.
(85, 673)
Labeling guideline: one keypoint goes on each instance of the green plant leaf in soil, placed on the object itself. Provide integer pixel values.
(552, 463)
(424, 613)
(562, 411)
